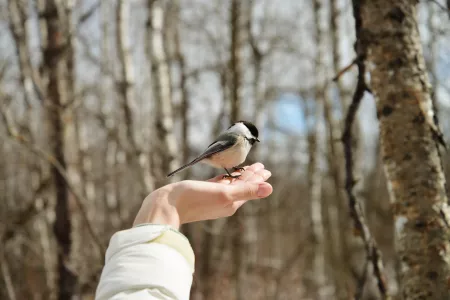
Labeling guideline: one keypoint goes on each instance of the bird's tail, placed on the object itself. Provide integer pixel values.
(182, 168)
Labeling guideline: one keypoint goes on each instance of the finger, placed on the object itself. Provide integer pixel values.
(250, 171)
(260, 176)
(265, 174)
(249, 191)
(255, 167)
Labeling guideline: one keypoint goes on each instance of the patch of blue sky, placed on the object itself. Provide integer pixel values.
(289, 114)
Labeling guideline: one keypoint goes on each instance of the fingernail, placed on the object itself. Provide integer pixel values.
(264, 190)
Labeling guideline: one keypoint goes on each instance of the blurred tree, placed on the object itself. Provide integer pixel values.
(315, 150)
(237, 223)
(165, 157)
(54, 69)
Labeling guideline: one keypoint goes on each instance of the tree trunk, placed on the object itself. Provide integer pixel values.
(433, 54)
(18, 14)
(314, 172)
(164, 145)
(126, 91)
(54, 67)
(237, 222)
(185, 103)
(408, 136)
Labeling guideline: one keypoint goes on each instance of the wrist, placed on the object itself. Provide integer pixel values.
(164, 213)
(157, 209)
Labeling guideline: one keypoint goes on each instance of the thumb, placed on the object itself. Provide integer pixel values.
(249, 190)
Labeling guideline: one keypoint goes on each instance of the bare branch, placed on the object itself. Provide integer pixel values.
(88, 14)
(357, 214)
(13, 133)
(441, 6)
(344, 70)
(18, 28)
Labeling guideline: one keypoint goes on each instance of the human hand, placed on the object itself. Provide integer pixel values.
(190, 201)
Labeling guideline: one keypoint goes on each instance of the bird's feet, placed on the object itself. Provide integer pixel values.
(231, 176)
(238, 169)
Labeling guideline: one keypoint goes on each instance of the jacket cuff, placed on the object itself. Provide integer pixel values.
(148, 258)
(174, 239)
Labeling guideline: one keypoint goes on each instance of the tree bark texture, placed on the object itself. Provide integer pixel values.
(165, 146)
(126, 90)
(314, 172)
(54, 68)
(235, 59)
(18, 14)
(409, 146)
(239, 245)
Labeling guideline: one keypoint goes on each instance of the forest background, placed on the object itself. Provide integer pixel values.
(99, 100)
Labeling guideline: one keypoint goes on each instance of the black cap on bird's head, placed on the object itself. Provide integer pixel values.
(251, 127)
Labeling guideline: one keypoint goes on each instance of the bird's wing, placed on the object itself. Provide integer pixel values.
(223, 142)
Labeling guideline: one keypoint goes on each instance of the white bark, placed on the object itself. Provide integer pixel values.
(127, 92)
(165, 144)
(315, 151)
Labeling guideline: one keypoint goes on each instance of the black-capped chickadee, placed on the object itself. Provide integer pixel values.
(229, 150)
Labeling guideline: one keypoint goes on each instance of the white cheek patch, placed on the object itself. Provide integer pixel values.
(240, 129)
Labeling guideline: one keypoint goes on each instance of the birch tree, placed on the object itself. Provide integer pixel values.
(314, 170)
(126, 90)
(410, 138)
(165, 145)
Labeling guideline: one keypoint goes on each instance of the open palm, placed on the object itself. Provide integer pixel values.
(190, 200)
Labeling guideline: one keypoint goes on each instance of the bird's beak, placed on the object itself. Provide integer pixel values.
(257, 140)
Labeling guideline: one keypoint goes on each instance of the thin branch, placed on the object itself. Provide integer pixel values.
(344, 70)
(373, 253)
(87, 14)
(13, 133)
(441, 6)
(355, 207)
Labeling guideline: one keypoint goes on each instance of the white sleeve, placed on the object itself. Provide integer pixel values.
(147, 262)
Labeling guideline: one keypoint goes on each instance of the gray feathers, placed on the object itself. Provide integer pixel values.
(223, 142)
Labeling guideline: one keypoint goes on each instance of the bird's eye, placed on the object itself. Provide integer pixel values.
(251, 140)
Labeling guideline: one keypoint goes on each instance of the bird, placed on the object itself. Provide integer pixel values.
(229, 150)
